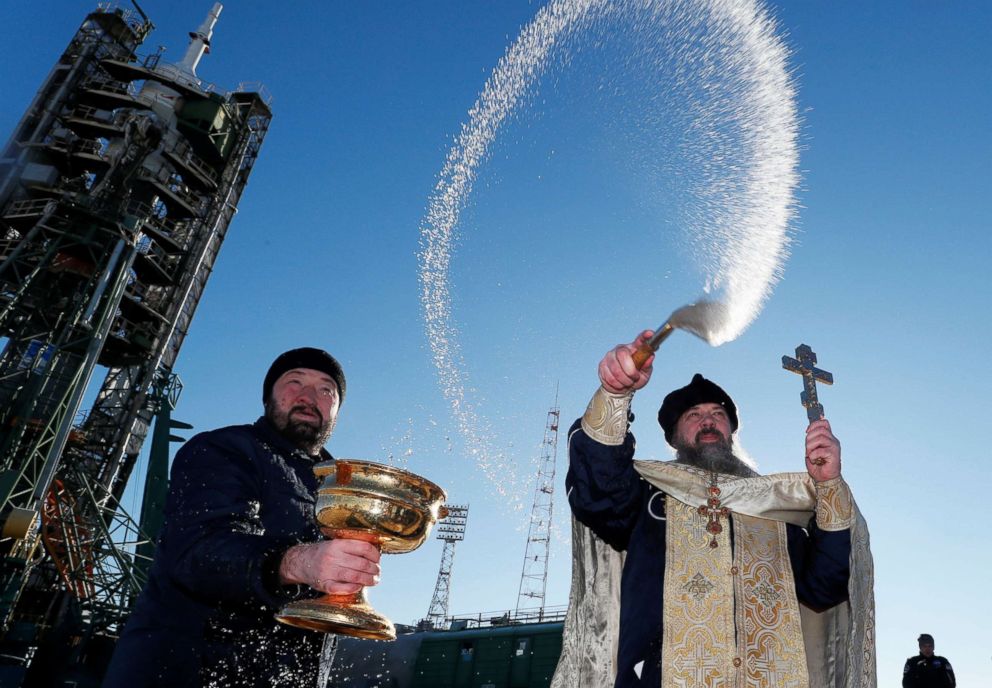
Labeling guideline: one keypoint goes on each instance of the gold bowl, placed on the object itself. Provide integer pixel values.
(360, 500)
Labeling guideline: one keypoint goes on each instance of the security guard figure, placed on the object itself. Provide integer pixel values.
(927, 670)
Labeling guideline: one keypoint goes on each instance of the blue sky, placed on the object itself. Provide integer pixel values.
(888, 278)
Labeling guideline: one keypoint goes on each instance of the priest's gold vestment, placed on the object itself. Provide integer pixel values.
(742, 630)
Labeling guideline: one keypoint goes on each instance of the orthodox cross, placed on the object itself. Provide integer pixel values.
(714, 511)
(804, 364)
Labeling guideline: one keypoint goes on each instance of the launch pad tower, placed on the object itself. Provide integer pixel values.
(117, 188)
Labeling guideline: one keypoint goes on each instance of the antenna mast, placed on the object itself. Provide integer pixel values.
(451, 530)
(534, 578)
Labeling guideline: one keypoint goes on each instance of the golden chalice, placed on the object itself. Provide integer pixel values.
(391, 508)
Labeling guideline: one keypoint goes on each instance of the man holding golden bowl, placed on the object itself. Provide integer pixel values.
(240, 541)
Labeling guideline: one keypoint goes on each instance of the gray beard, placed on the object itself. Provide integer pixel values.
(717, 458)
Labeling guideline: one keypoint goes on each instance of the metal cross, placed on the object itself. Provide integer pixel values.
(811, 375)
(714, 510)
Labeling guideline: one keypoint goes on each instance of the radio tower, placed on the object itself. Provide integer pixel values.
(117, 188)
(534, 577)
(451, 530)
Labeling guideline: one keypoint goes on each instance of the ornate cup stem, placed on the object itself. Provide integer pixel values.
(348, 614)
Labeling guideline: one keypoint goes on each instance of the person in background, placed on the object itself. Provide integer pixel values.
(927, 670)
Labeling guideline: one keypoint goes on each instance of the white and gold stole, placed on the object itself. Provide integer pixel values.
(731, 617)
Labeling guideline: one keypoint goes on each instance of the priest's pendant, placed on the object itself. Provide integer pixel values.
(714, 511)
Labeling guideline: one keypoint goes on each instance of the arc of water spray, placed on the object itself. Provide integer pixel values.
(759, 218)
(509, 83)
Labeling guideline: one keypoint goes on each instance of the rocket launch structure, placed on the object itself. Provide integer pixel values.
(117, 188)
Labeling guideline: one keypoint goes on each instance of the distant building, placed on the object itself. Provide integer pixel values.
(506, 651)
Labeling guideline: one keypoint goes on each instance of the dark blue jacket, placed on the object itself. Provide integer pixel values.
(928, 672)
(239, 497)
(608, 496)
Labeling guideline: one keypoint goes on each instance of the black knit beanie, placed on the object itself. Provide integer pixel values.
(315, 359)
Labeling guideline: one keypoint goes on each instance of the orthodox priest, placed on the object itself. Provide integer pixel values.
(699, 572)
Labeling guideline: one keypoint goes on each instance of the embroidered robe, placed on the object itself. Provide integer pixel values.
(731, 618)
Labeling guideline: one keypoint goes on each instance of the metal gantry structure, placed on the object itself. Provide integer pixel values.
(534, 576)
(117, 188)
(451, 530)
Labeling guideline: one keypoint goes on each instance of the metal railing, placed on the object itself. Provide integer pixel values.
(507, 617)
(94, 83)
(183, 152)
(27, 207)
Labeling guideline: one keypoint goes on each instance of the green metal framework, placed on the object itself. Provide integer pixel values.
(116, 191)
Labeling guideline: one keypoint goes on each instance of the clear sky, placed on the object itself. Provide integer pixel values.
(888, 277)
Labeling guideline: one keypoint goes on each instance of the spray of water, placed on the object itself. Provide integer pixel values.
(523, 62)
(730, 80)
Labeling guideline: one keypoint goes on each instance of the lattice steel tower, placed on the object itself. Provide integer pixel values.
(451, 530)
(116, 190)
(534, 577)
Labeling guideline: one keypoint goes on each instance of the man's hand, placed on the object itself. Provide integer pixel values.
(617, 371)
(822, 451)
(339, 567)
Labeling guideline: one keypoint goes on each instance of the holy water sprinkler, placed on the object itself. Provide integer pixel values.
(703, 319)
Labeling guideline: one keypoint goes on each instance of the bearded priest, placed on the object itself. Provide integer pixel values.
(700, 573)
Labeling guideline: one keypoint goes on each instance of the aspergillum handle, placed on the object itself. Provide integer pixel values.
(644, 352)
